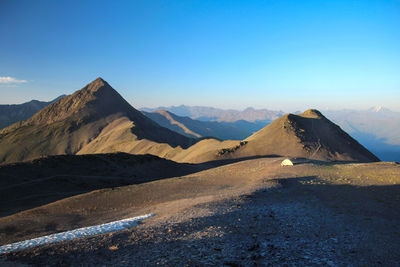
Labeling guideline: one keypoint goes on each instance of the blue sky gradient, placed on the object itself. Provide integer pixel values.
(288, 55)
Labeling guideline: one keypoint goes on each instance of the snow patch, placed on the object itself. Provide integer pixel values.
(81, 232)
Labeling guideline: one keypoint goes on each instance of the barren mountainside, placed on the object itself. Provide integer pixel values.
(76, 124)
(307, 135)
(96, 119)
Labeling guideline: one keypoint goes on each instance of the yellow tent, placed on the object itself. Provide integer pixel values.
(287, 162)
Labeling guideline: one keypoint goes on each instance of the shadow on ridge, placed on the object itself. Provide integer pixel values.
(26, 185)
(31, 184)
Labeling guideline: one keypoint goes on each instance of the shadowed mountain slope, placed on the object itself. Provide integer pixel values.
(237, 130)
(10, 114)
(95, 119)
(307, 135)
(34, 183)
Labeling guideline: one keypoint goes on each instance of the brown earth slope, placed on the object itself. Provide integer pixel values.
(307, 135)
(95, 119)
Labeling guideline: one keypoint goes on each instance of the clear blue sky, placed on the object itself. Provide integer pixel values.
(285, 55)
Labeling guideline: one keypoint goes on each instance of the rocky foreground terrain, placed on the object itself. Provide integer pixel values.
(255, 213)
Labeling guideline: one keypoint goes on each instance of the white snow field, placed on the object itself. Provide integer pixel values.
(81, 232)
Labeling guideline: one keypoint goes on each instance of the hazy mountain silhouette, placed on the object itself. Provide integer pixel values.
(216, 114)
(10, 114)
(94, 119)
(377, 128)
(237, 130)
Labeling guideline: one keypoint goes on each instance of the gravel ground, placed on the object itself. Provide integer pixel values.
(284, 225)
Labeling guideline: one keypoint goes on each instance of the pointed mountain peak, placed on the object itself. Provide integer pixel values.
(379, 109)
(309, 135)
(293, 118)
(100, 79)
(312, 113)
(97, 98)
(96, 85)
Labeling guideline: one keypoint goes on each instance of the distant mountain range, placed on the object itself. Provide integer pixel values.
(10, 114)
(96, 119)
(236, 130)
(215, 114)
(381, 122)
(377, 128)
(196, 128)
